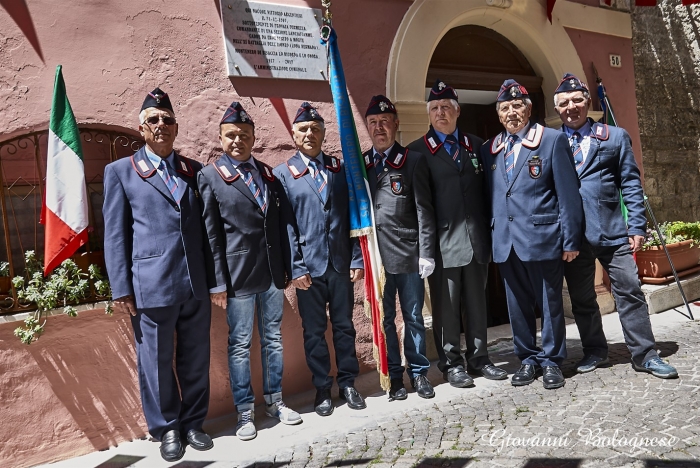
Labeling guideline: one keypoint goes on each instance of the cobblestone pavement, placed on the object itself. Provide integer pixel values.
(610, 417)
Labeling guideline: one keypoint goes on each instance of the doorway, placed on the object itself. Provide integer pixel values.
(476, 60)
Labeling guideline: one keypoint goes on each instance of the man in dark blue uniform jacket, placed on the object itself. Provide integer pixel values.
(322, 259)
(606, 167)
(536, 218)
(155, 261)
(399, 182)
(241, 214)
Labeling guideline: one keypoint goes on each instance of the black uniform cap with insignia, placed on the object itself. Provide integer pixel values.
(235, 114)
(570, 83)
(157, 98)
(307, 113)
(442, 91)
(380, 105)
(510, 90)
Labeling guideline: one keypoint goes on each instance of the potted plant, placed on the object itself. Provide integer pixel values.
(683, 244)
(5, 282)
(65, 287)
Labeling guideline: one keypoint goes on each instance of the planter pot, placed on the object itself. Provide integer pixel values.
(653, 265)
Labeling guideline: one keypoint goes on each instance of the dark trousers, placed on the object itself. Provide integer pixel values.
(458, 297)
(167, 405)
(632, 308)
(529, 284)
(336, 290)
(411, 291)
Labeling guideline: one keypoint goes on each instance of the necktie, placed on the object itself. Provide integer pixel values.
(250, 182)
(318, 179)
(510, 155)
(168, 178)
(379, 163)
(576, 148)
(452, 148)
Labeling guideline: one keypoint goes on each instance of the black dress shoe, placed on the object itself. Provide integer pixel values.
(397, 390)
(590, 363)
(552, 377)
(491, 372)
(323, 405)
(525, 375)
(457, 377)
(171, 446)
(354, 399)
(199, 440)
(423, 387)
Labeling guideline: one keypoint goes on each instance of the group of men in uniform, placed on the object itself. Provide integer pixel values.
(542, 204)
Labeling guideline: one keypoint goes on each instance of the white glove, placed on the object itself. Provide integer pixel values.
(426, 267)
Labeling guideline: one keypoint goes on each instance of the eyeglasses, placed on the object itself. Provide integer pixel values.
(166, 119)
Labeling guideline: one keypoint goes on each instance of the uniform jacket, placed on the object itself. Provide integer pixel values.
(245, 249)
(403, 209)
(609, 168)
(153, 247)
(316, 232)
(458, 199)
(539, 212)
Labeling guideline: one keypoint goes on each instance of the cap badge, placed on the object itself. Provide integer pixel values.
(383, 106)
(313, 113)
(158, 97)
(572, 82)
(441, 86)
(513, 92)
(243, 115)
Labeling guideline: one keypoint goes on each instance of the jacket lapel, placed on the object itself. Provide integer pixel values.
(143, 167)
(523, 156)
(371, 172)
(438, 149)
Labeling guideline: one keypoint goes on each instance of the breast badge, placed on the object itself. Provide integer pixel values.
(535, 167)
(397, 184)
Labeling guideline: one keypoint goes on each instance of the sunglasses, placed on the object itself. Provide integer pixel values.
(167, 120)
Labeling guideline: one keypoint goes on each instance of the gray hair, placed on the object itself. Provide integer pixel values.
(526, 101)
(142, 114)
(320, 122)
(454, 103)
(586, 94)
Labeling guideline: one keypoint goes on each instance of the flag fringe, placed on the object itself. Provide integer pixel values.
(366, 231)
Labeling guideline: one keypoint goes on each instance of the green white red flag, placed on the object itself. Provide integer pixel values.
(65, 210)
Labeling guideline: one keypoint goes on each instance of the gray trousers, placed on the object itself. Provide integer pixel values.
(631, 306)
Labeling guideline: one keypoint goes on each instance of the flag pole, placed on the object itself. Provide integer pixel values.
(607, 109)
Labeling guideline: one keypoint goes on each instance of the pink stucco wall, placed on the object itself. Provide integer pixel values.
(75, 390)
(619, 82)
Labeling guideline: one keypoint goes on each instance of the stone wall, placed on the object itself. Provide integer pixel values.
(667, 65)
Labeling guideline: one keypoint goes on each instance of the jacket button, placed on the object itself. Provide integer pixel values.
(379, 228)
(468, 216)
(510, 218)
(508, 194)
(177, 208)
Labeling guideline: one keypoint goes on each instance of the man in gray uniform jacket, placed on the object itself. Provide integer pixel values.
(403, 211)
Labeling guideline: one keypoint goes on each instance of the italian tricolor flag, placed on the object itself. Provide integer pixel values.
(65, 209)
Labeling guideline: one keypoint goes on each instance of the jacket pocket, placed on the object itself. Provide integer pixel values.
(408, 234)
(237, 252)
(538, 219)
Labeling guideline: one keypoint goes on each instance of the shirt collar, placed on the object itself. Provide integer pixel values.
(235, 163)
(306, 159)
(584, 131)
(442, 136)
(155, 159)
(386, 153)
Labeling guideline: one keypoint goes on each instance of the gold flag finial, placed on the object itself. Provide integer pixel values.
(327, 15)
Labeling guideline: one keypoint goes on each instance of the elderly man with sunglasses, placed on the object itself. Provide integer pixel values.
(154, 251)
